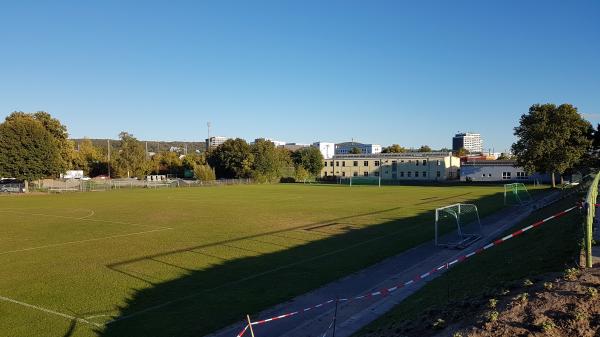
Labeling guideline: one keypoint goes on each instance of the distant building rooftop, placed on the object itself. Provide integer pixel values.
(394, 155)
(490, 163)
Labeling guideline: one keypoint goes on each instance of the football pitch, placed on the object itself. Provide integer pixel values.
(188, 261)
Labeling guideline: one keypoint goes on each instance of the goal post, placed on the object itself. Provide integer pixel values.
(516, 194)
(360, 180)
(457, 225)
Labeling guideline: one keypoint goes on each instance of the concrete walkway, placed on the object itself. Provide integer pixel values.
(351, 316)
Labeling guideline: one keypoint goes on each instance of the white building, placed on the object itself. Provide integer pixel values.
(275, 142)
(327, 149)
(469, 141)
(347, 147)
(215, 141)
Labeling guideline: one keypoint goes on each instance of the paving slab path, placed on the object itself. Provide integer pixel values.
(353, 315)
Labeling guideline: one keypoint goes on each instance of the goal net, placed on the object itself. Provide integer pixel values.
(516, 194)
(354, 181)
(457, 226)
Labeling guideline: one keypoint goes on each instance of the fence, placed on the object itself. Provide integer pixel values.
(590, 201)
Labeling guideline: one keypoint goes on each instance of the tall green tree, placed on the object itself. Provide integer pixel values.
(462, 152)
(61, 137)
(232, 159)
(424, 148)
(551, 139)
(27, 149)
(88, 158)
(269, 162)
(309, 158)
(395, 148)
(131, 159)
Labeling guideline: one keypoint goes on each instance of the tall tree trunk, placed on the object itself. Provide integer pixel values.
(553, 180)
(562, 180)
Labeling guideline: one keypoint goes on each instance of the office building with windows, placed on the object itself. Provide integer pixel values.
(394, 166)
(498, 171)
(469, 141)
(348, 147)
(215, 141)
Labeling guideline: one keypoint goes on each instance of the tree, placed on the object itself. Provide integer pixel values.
(462, 152)
(425, 148)
(204, 173)
(232, 159)
(309, 158)
(503, 156)
(27, 150)
(61, 137)
(269, 162)
(355, 150)
(395, 148)
(131, 159)
(88, 158)
(551, 139)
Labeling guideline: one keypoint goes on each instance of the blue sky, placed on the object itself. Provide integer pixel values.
(384, 72)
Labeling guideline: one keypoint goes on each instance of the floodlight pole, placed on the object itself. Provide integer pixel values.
(108, 163)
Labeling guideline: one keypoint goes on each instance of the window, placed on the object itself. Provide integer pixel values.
(424, 162)
(366, 174)
(402, 160)
(343, 174)
(337, 163)
(377, 174)
(355, 163)
(417, 162)
(416, 174)
(332, 164)
(438, 163)
(409, 161)
(344, 163)
(489, 174)
(424, 174)
(377, 163)
(325, 164)
(355, 174)
(439, 174)
(506, 175)
(365, 163)
(521, 175)
(326, 174)
(483, 174)
(402, 174)
(408, 174)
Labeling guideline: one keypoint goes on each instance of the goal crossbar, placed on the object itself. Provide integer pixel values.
(464, 231)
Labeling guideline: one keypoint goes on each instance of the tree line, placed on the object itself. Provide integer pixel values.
(36, 145)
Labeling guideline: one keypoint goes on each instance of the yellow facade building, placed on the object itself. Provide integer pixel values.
(394, 166)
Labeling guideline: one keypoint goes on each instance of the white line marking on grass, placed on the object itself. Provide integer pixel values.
(82, 241)
(83, 218)
(48, 311)
(89, 215)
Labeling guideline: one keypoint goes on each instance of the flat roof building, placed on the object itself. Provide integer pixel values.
(327, 149)
(469, 141)
(498, 171)
(215, 141)
(394, 166)
(347, 147)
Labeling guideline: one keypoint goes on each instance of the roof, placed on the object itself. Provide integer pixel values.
(393, 155)
(490, 163)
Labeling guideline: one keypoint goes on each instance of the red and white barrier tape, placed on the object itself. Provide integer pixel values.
(387, 291)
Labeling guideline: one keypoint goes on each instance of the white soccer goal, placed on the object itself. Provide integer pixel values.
(457, 226)
(360, 180)
(516, 194)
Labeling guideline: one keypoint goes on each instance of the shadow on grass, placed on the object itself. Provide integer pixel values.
(205, 300)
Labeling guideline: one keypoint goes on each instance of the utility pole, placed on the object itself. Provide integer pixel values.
(208, 136)
(108, 150)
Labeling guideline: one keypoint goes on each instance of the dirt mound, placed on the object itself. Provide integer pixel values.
(555, 305)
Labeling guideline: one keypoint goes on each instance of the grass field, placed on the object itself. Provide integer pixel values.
(185, 262)
(552, 247)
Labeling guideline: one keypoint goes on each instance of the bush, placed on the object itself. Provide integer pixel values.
(204, 173)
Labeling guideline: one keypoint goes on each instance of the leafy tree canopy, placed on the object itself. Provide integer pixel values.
(395, 148)
(551, 138)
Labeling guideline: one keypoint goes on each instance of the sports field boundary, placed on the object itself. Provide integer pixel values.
(381, 275)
